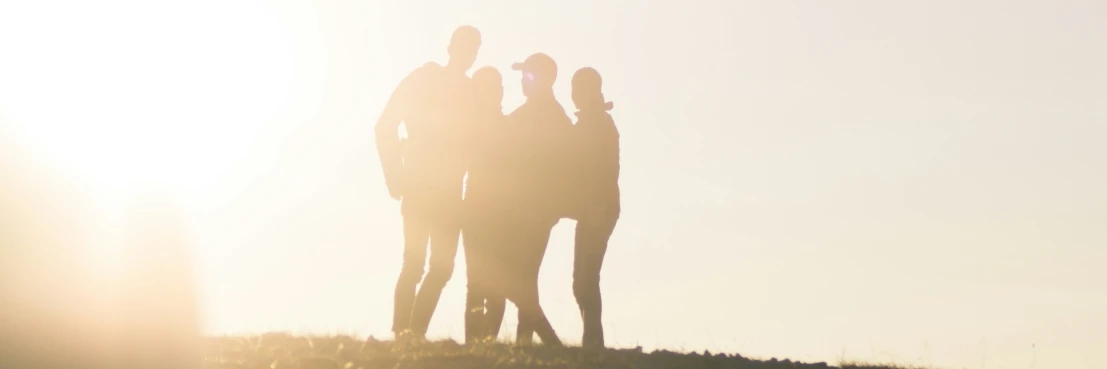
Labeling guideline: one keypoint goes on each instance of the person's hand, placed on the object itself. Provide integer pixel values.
(396, 186)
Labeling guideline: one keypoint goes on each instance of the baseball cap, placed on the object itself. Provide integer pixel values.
(542, 66)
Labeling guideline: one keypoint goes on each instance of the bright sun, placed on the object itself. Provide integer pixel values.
(121, 92)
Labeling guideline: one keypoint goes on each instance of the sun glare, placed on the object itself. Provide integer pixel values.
(145, 92)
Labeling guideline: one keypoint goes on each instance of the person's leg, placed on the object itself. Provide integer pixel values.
(474, 299)
(533, 319)
(445, 231)
(494, 307)
(498, 275)
(590, 247)
(416, 233)
(475, 242)
(444, 234)
(524, 328)
(535, 250)
(543, 328)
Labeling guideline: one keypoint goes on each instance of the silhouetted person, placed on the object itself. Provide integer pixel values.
(596, 188)
(544, 128)
(486, 207)
(426, 175)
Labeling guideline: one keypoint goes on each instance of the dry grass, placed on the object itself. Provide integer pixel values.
(282, 351)
(857, 365)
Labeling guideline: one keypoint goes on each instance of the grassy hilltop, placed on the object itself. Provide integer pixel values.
(281, 351)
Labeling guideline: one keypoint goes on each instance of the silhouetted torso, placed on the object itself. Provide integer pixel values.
(597, 159)
(491, 145)
(432, 160)
(541, 163)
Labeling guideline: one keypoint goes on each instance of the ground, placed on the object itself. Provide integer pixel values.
(281, 351)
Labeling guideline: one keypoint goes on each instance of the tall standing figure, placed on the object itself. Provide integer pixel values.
(597, 190)
(427, 174)
(543, 129)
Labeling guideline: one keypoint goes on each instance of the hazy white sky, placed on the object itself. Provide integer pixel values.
(911, 181)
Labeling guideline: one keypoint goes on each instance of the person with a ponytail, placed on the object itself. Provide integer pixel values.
(486, 224)
(597, 156)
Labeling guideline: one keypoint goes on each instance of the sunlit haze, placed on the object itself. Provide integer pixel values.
(919, 182)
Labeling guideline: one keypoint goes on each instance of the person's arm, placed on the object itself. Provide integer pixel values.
(604, 168)
(473, 133)
(584, 170)
(388, 136)
(562, 155)
(612, 152)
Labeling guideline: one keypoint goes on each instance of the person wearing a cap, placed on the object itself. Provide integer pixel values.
(427, 175)
(597, 192)
(486, 208)
(542, 130)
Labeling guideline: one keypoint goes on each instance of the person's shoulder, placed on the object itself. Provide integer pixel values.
(606, 118)
(558, 107)
(419, 78)
(426, 70)
(610, 121)
(518, 111)
(429, 67)
(561, 115)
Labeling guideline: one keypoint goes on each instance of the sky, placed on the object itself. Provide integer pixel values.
(918, 182)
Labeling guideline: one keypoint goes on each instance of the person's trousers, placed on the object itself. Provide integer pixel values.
(533, 241)
(590, 246)
(437, 224)
(483, 233)
(503, 262)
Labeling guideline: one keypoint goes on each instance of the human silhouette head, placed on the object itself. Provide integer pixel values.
(588, 90)
(463, 48)
(539, 73)
(489, 86)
